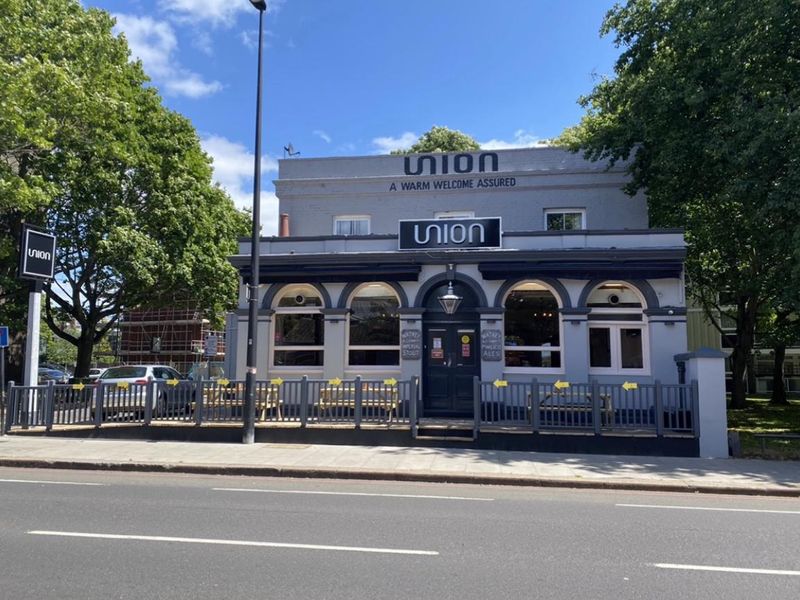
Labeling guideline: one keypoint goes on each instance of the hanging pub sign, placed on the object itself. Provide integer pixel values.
(37, 254)
(450, 234)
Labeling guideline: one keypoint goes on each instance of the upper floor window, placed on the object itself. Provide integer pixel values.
(454, 214)
(351, 225)
(564, 219)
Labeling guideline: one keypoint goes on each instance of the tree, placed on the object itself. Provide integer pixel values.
(41, 94)
(441, 139)
(704, 105)
(121, 180)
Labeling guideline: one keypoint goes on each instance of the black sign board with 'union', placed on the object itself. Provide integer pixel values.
(450, 234)
(38, 254)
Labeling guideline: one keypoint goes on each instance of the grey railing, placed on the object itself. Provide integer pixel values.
(302, 401)
(662, 409)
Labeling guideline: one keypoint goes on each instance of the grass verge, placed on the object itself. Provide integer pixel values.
(759, 416)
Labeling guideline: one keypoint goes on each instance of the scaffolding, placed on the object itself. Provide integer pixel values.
(178, 336)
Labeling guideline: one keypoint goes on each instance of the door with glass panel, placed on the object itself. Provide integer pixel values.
(451, 362)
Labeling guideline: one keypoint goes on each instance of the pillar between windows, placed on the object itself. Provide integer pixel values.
(575, 346)
(335, 342)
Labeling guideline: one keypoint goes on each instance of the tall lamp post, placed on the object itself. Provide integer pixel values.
(249, 433)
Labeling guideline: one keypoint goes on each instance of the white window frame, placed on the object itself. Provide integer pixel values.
(559, 348)
(288, 310)
(342, 218)
(561, 211)
(615, 328)
(454, 214)
(348, 347)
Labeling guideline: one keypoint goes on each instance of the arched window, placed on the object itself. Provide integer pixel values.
(374, 331)
(617, 334)
(532, 328)
(299, 327)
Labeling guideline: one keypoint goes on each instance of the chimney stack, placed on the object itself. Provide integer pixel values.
(283, 231)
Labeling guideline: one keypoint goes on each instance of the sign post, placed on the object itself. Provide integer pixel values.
(37, 262)
(3, 346)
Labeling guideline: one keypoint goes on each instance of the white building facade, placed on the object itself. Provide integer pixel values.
(557, 274)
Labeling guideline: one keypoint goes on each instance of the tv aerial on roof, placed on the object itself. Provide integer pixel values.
(289, 150)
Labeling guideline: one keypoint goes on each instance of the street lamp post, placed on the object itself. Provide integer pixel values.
(249, 433)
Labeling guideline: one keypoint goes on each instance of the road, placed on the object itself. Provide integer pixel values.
(95, 535)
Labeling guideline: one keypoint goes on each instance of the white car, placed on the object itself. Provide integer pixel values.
(124, 390)
(95, 373)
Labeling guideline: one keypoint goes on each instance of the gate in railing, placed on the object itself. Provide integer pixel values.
(302, 401)
(662, 409)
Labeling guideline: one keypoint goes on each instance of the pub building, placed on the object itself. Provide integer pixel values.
(507, 264)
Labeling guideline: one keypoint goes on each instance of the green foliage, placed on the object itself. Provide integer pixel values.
(442, 139)
(88, 150)
(55, 350)
(705, 106)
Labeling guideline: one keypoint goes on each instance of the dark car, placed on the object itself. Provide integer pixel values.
(46, 374)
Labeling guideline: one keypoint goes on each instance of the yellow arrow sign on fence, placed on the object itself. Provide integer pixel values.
(223, 381)
(391, 381)
(123, 385)
(277, 381)
(498, 383)
(335, 381)
(561, 385)
(629, 385)
(171, 382)
(78, 386)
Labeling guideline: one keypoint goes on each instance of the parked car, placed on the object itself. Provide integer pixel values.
(138, 373)
(95, 373)
(45, 374)
(128, 395)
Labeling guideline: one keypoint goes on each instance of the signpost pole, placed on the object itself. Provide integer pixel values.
(2, 379)
(31, 374)
(37, 261)
(3, 345)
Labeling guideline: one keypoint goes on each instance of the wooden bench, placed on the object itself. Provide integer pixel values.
(233, 397)
(384, 398)
(569, 404)
(763, 437)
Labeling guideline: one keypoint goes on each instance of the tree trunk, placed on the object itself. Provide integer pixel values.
(745, 338)
(738, 374)
(778, 382)
(85, 351)
(752, 386)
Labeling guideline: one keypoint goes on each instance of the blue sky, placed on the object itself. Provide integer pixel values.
(360, 77)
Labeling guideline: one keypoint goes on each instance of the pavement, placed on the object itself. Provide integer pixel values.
(489, 467)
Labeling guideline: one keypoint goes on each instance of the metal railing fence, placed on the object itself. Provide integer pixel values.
(663, 409)
(303, 401)
(593, 407)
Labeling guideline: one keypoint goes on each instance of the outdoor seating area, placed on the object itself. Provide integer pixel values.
(384, 399)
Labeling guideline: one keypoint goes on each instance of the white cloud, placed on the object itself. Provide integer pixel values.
(215, 12)
(233, 170)
(191, 85)
(249, 39)
(203, 42)
(522, 139)
(324, 136)
(387, 144)
(154, 43)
